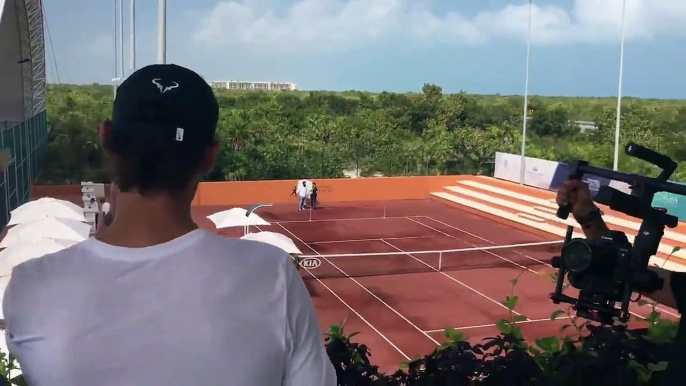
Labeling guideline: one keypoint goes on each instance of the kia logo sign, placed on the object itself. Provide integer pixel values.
(310, 263)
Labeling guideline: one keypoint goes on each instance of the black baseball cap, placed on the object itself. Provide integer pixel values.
(165, 104)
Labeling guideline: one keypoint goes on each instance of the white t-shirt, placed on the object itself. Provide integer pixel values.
(105, 207)
(302, 191)
(198, 309)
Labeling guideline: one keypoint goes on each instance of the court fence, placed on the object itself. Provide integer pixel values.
(24, 142)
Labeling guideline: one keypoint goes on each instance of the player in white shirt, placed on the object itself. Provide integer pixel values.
(301, 190)
(153, 300)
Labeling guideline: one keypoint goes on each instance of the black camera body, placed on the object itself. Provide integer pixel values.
(608, 270)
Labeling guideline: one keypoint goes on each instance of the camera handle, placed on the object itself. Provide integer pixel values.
(574, 174)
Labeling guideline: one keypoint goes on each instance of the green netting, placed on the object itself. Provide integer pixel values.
(25, 142)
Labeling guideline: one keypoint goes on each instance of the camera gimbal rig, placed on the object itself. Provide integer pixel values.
(608, 270)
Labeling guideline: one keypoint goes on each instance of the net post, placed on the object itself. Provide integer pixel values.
(310, 213)
(384, 211)
(440, 261)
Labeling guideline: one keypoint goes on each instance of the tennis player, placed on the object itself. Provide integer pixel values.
(154, 300)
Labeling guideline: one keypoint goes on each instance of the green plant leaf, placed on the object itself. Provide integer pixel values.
(504, 326)
(455, 336)
(334, 330)
(511, 302)
(514, 282)
(660, 366)
(519, 318)
(642, 302)
(642, 373)
(653, 317)
(563, 328)
(549, 344)
(676, 249)
(517, 333)
(556, 314)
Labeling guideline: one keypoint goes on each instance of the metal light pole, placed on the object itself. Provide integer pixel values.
(133, 35)
(619, 92)
(522, 166)
(121, 36)
(162, 31)
(115, 79)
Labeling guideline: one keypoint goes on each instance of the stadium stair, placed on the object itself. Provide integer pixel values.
(535, 208)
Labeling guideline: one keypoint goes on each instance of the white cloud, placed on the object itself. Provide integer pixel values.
(315, 25)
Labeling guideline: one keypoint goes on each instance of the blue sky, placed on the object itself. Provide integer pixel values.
(395, 45)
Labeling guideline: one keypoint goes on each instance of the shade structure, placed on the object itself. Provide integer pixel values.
(44, 208)
(48, 227)
(236, 217)
(275, 239)
(16, 254)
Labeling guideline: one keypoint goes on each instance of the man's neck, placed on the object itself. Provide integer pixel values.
(146, 221)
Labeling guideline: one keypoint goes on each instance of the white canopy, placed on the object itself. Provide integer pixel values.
(235, 217)
(46, 207)
(47, 227)
(275, 239)
(19, 253)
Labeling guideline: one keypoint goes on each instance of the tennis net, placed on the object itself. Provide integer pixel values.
(515, 256)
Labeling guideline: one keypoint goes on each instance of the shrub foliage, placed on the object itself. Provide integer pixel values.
(582, 354)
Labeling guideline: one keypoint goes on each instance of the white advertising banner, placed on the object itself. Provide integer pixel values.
(539, 173)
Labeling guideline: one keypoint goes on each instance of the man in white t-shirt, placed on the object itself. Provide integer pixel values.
(154, 300)
(302, 195)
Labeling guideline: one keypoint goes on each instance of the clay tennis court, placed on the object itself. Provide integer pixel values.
(401, 303)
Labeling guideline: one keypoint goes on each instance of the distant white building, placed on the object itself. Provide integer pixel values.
(246, 85)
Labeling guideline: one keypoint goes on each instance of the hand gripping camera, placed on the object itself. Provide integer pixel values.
(609, 270)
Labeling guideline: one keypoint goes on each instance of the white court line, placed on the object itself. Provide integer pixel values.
(377, 239)
(452, 278)
(481, 238)
(344, 219)
(354, 311)
(474, 245)
(493, 325)
(364, 288)
(521, 254)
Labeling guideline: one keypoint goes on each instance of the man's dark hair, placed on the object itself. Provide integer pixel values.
(163, 122)
(147, 166)
(102, 200)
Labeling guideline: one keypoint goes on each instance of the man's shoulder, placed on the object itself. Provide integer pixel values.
(245, 248)
(42, 270)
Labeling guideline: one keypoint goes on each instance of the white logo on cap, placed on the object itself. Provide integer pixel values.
(164, 89)
(179, 134)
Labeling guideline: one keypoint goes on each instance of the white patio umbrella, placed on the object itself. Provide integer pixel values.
(46, 207)
(19, 253)
(275, 239)
(236, 217)
(47, 227)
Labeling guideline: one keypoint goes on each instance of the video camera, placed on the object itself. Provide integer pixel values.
(609, 270)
